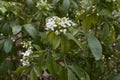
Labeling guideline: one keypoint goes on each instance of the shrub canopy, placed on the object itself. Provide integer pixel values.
(60, 39)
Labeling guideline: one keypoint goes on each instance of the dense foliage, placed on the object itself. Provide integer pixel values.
(59, 40)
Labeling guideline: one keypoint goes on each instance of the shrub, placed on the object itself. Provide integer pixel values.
(59, 40)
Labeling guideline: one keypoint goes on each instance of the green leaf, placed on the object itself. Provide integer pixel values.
(3, 68)
(37, 47)
(70, 36)
(52, 66)
(56, 42)
(89, 22)
(50, 37)
(31, 30)
(30, 3)
(54, 2)
(21, 69)
(82, 75)
(3, 9)
(117, 77)
(33, 75)
(38, 70)
(65, 5)
(95, 46)
(65, 45)
(71, 75)
(16, 29)
(75, 4)
(53, 40)
(8, 45)
(63, 74)
(6, 28)
(49, 64)
(2, 43)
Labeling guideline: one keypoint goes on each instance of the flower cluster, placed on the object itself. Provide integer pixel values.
(26, 44)
(43, 5)
(26, 54)
(59, 25)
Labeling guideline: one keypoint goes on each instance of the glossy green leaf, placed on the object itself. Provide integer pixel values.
(54, 2)
(31, 30)
(8, 45)
(65, 45)
(6, 28)
(65, 5)
(53, 40)
(70, 36)
(56, 42)
(82, 75)
(16, 29)
(51, 37)
(30, 3)
(75, 4)
(95, 46)
(71, 75)
(49, 64)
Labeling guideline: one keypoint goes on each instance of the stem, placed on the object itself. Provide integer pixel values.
(65, 63)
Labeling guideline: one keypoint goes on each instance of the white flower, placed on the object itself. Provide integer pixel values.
(1, 34)
(64, 31)
(61, 30)
(62, 23)
(26, 44)
(56, 32)
(13, 40)
(25, 63)
(26, 54)
(59, 25)
(50, 25)
(70, 23)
